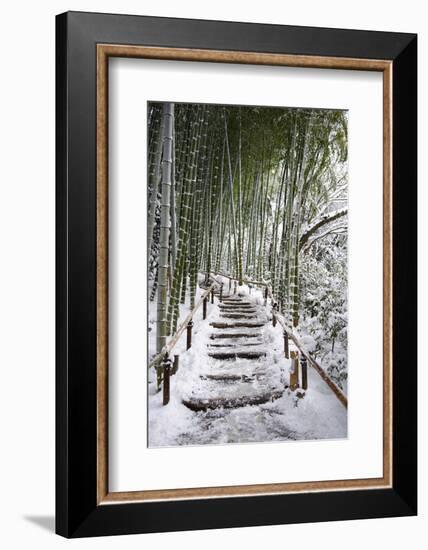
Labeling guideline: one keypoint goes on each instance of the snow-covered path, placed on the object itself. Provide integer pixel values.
(232, 387)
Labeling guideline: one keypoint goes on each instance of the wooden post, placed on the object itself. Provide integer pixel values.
(159, 375)
(189, 334)
(221, 292)
(166, 378)
(274, 315)
(304, 365)
(175, 365)
(294, 370)
(286, 350)
(204, 308)
(234, 287)
(266, 295)
(230, 284)
(212, 296)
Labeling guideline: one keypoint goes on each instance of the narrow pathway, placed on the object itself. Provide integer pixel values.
(232, 386)
(240, 374)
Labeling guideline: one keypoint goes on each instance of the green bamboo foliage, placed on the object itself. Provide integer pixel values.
(238, 257)
(173, 253)
(187, 189)
(248, 190)
(195, 239)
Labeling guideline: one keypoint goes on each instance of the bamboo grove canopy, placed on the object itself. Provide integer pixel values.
(239, 190)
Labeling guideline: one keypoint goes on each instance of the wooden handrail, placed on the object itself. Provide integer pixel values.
(213, 275)
(248, 281)
(335, 389)
(224, 275)
(169, 346)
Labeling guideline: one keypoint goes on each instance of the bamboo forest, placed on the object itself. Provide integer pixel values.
(247, 216)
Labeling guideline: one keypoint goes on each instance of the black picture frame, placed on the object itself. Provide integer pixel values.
(77, 511)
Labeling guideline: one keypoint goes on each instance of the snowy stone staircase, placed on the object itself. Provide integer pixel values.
(239, 372)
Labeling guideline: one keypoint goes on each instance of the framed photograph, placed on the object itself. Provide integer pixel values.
(236, 274)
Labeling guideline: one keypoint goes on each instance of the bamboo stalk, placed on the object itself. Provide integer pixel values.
(167, 147)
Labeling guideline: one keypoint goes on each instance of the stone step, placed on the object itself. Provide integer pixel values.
(231, 377)
(232, 402)
(237, 325)
(232, 301)
(236, 303)
(237, 300)
(234, 344)
(235, 335)
(240, 354)
(240, 366)
(240, 312)
(246, 313)
(224, 377)
(237, 316)
(237, 308)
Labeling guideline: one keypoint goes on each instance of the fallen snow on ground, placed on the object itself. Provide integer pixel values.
(318, 415)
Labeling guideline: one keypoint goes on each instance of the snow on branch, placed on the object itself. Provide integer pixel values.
(326, 219)
(332, 230)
